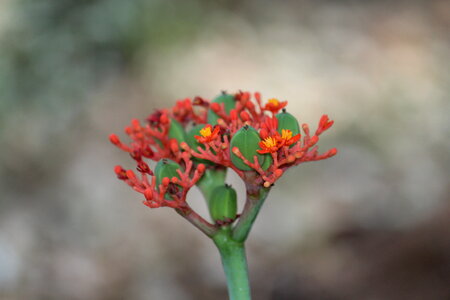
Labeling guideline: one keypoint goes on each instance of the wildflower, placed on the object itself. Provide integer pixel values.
(207, 134)
(269, 145)
(274, 105)
(287, 139)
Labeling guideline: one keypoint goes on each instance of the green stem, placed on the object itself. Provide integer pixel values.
(253, 205)
(234, 264)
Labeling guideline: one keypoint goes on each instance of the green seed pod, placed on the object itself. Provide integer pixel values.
(247, 141)
(176, 131)
(287, 121)
(194, 144)
(223, 204)
(267, 161)
(166, 168)
(212, 178)
(229, 103)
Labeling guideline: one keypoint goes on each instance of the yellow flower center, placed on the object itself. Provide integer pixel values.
(286, 134)
(274, 102)
(206, 132)
(269, 142)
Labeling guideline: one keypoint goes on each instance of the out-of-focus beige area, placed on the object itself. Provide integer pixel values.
(371, 223)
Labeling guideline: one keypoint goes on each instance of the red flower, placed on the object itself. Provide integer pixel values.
(274, 105)
(269, 145)
(207, 134)
(287, 139)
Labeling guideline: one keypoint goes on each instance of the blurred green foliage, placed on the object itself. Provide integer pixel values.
(56, 51)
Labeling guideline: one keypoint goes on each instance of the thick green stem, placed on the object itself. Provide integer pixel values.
(234, 264)
(253, 205)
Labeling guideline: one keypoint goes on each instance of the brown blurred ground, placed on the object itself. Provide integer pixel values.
(371, 223)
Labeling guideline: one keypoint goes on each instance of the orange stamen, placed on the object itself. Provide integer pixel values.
(270, 142)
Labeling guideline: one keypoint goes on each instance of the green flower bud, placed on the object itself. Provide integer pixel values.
(287, 121)
(223, 204)
(247, 141)
(176, 131)
(229, 103)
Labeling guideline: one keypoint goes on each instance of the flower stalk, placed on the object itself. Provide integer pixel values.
(251, 210)
(234, 263)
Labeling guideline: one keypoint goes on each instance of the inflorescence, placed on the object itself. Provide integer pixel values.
(258, 141)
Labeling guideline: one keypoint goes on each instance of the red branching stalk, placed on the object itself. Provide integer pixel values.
(157, 195)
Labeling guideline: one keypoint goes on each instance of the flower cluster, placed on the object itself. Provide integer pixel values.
(259, 141)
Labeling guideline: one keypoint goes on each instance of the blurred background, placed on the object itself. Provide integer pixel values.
(371, 223)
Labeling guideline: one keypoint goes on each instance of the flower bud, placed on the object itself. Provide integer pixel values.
(131, 175)
(120, 172)
(233, 114)
(165, 181)
(247, 141)
(278, 172)
(229, 103)
(164, 119)
(245, 116)
(201, 168)
(215, 107)
(223, 204)
(135, 124)
(264, 133)
(114, 139)
(174, 146)
(148, 193)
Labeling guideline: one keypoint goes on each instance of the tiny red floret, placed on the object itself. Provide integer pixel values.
(208, 134)
(274, 105)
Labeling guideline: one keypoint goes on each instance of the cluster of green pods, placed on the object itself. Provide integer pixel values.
(222, 199)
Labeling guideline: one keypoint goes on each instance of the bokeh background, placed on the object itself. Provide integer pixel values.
(371, 223)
